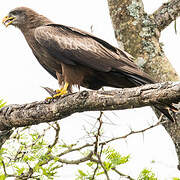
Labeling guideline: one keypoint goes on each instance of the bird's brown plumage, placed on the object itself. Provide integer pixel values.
(77, 57)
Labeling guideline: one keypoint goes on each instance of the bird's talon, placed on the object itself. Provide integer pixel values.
(56, 95)
(48, 98)
(58, 90)
(63, 92)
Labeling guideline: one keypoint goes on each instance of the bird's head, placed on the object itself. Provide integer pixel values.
(24, 17)
(16, 17)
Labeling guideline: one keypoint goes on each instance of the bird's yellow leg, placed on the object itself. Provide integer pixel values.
(62, 91)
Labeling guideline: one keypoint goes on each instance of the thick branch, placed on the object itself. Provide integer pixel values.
(167, 13)
(39, 112)
(139, 34)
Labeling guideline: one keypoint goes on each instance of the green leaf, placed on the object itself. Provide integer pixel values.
(2, 151)
(2, 103)
(115, 157)
(36, 168)
(175, 26)
(100, 173)
(90, 164)
(56, 159)
(19, 170)
(2, 177)
(82, 173)
(147, 174)
(107, 165)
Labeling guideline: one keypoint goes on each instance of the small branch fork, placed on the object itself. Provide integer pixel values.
(98, 135)
(96, 153)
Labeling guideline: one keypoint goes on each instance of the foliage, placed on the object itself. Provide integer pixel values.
(29, 155)
(111, 159)
(2, 103)
(26, 153)
(147, 175)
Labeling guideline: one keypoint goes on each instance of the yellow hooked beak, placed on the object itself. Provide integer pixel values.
(7, 20)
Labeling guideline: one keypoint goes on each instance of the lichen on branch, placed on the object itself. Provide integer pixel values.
(40, 112)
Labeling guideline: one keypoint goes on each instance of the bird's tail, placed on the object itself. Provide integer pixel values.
(124, 80)
(168, 110)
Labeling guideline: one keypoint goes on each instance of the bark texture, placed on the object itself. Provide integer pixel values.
(138, 33)
(39, 112)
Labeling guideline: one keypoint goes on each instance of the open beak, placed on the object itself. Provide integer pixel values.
(7, 20)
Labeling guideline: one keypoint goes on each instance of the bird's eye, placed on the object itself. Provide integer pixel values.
(15, 12)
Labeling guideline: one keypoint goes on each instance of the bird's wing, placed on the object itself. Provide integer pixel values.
(73, 46)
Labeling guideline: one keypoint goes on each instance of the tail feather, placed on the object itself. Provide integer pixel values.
(168, 111)
(124, 80)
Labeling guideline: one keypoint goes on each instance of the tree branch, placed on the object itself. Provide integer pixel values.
(139, 34)
(40, 112)
(84, 159)
(123, 175)
(167, 13)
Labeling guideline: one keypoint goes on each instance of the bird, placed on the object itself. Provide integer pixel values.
(76, 57)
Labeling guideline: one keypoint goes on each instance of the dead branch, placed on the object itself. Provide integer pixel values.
(40, 112)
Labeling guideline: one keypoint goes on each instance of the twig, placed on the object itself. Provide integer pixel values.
(78, 161)
(105, 171)
(121, 174)
(57, 129)
(4, 168)
(94, 174)
(98, 133)
(131, 132)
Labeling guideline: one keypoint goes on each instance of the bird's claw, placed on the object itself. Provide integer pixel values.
(59, 92)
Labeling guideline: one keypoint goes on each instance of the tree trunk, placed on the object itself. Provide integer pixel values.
(138, 33)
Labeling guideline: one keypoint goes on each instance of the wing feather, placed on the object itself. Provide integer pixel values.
(72, 46)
